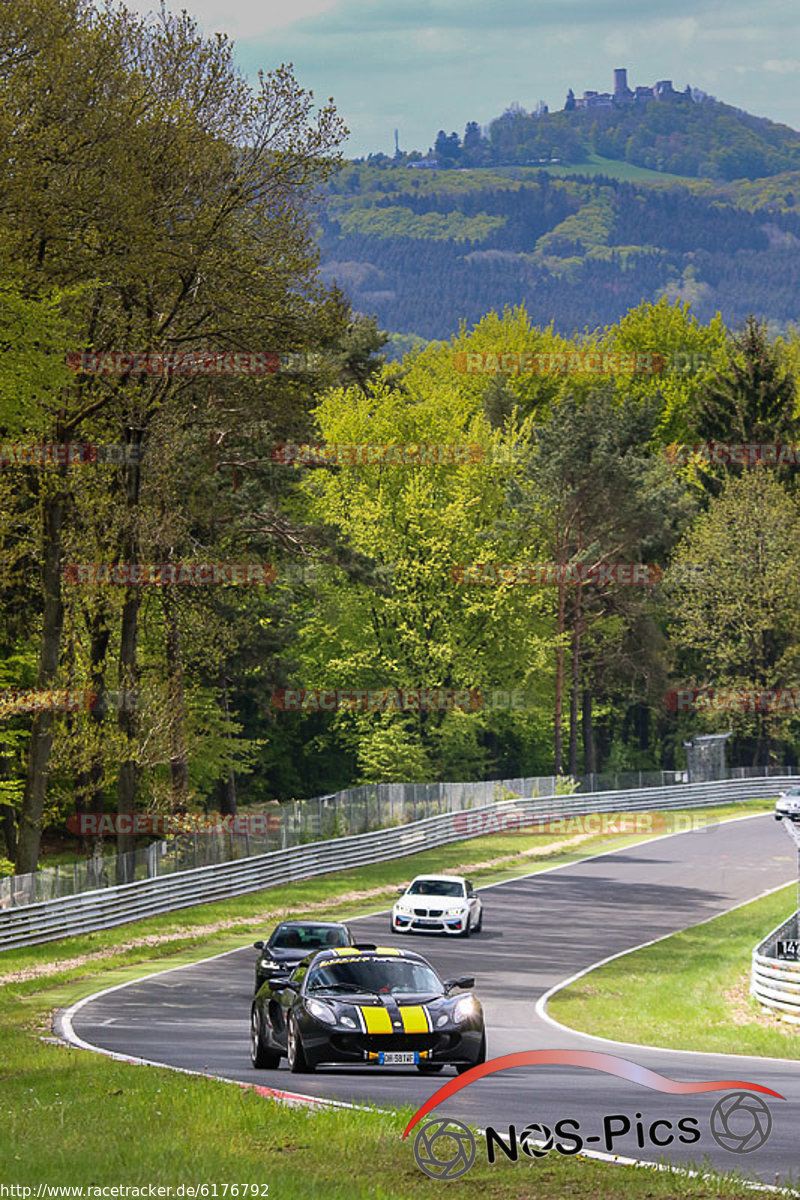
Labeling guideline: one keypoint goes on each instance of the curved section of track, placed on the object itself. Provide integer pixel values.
(538, 931)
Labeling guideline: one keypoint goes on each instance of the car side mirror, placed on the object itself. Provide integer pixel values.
(290, 985)
(258, 945)
(466, 981)
(401, 891)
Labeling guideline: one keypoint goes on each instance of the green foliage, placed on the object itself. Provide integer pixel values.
(399, 222)
(35, 338)
(735, 602)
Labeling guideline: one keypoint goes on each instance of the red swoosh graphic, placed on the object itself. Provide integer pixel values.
(596, 1061)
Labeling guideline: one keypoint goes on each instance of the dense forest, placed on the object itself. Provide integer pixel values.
(422, 253)
(185, 572)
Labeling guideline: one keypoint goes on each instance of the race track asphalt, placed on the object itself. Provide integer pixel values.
(537, 931)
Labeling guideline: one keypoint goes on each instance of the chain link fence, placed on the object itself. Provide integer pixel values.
(340, 814)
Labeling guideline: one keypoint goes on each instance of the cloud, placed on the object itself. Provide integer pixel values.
(244, 18)
(782, 66)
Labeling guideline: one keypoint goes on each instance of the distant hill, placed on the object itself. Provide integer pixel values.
(623, 197)
(424, 249)
(682, 133)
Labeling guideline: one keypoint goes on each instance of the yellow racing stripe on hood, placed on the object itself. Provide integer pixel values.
(415, 1018)
(377, 1020)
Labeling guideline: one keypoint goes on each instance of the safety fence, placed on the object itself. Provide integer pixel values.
(103, 908)
(775, 981)
(300, 822)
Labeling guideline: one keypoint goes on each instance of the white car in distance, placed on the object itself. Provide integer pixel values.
(788, 804)
(438, 904)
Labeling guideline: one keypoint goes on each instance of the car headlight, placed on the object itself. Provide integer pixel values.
(348, 1022)
(321, 1011)
(464, 1009)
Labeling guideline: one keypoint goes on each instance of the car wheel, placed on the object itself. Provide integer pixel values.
(429, 1068)
(466, 931)
(462, 1067)
(260, 1055)
(479, 926)
(298, 1063)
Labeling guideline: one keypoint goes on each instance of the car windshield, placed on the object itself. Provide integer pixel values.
(792, 793)
(307, 937)
(388, 975)
(436, 887)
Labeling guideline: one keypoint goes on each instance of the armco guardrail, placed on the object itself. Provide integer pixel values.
(298, 822)
(775, 982)
(106, 907)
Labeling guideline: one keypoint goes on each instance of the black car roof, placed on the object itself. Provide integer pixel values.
(324, 924)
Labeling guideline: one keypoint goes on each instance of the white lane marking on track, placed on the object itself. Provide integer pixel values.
(64, 1019)
(540, 1007)
(67, 1034)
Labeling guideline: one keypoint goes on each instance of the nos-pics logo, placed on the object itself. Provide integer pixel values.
(740, 1122)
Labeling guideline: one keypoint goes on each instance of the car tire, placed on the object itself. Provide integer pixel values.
(462, 1067)
(298, 1063)
(467, 930)
(429, 1068)
(260, 1055)
(479, 926)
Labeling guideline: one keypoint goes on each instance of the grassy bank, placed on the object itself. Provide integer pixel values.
(689, 991)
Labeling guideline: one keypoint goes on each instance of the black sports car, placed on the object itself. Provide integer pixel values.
(366, 1004)
(292, 941)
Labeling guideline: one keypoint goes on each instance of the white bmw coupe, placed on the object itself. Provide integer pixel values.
(438, 904)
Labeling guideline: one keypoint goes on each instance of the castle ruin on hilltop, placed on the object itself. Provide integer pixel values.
(622, 94)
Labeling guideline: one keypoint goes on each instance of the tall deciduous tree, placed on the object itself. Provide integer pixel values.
(736, 621)
(138, 157)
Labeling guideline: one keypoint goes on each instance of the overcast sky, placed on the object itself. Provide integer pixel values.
(422, 65)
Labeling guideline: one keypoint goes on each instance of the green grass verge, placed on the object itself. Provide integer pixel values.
(68, 1117)
(689, 991)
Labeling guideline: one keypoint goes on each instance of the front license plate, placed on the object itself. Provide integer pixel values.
(397, 1057)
